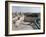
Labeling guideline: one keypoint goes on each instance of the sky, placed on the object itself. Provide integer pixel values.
(26, 9)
